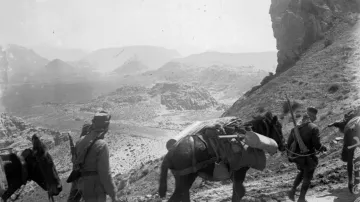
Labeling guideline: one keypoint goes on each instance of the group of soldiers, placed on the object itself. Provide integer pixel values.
(92, 155)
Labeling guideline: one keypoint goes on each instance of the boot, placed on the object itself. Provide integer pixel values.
(304, 187)
(291, 194)
(297, 181)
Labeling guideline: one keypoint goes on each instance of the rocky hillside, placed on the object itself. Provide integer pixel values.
(132, 66)
(171, 96)
(318, 63)
(183, 97)
(265, 61)
(16, 133)
(24, 64)
(226, 83)
(298, 25)
(324, 75)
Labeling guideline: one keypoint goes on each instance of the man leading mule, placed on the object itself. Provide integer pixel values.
(193, 147)
(307, 162)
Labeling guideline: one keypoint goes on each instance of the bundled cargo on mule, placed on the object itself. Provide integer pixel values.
(233, 143)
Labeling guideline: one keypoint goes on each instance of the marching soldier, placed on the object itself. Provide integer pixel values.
(92, 153)
(309, 133)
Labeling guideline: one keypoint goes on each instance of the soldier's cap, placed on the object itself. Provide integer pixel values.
(102, 113)
(312, 110)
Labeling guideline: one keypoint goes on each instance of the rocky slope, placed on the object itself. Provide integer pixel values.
(322, 72)
(226, 83)
(326, 76)
(298, 24)
(16, 133)
(173, 96)
(267, 62)
(132, 66)
(24, 64)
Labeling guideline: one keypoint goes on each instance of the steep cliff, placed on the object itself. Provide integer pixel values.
(297, 24)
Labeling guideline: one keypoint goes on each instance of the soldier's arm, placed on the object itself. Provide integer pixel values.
(103, 168)
(316, 138)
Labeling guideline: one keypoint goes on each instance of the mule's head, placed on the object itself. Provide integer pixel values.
(41, 168)
(339, 124)
(275, 130)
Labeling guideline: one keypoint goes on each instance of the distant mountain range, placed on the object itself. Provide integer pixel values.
(52, 53)
(35, 79)
(109, 59)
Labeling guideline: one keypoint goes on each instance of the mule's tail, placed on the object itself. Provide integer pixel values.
(163, 177)
(356, 171)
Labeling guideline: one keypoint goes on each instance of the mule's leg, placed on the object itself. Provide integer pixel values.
(238, 186)
(187, 185)
(350, 170)
(182, 188)
(353, 170)
(176, 196)
(356, 168)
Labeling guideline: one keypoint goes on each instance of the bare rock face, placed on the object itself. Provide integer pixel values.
(297, 24)
(183, 97)
(16, 133)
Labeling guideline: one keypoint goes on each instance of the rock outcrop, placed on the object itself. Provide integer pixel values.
(297, 24)
(173, 96)
(16, 133)
(183, 97)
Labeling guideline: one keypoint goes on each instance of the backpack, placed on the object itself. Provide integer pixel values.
(292, 148)
(76, 172)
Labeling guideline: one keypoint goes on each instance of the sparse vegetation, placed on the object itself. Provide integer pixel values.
(265, 80)
(260, 109)
(327, 42)
(346, 91)
(340, 97)
(294, 106)
(333, 88)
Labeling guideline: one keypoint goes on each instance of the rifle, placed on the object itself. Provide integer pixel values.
(72, 148)
(302, 146)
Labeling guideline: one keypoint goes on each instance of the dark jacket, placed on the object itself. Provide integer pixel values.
(310, 135)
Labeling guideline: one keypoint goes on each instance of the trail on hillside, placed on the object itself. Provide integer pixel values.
(330, 179)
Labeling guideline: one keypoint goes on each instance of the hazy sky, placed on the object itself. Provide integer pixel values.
(189, 26)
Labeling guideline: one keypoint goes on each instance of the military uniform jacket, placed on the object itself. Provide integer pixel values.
(310, 135)
(97, 160)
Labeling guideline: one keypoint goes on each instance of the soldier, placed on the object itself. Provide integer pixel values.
(95, 180)
(309, 133)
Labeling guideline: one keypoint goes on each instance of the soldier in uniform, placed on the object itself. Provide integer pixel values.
(309, 133)
(95, 181)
